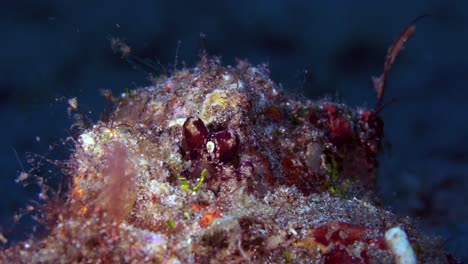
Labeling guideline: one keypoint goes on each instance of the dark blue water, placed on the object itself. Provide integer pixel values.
(52, 50)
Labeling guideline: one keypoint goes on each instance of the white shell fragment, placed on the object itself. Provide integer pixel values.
(397, 241)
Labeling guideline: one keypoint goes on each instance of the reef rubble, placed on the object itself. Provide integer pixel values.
(218, 164)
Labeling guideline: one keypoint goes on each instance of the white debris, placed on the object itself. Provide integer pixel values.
(226, 77)
(3, 239)
(176, 122)
(73, 103)
(398, 243)
(23, 176)
(87, 141)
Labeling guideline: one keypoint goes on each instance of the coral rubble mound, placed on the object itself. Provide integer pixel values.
(218, 164)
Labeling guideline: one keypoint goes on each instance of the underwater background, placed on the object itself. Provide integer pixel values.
(53, 50)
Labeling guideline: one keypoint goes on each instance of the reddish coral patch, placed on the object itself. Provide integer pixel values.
(334, 237)
(372, 122)
(209, 217)
(293, 171)
(197, 207)
(331, 109)
(339, 232)
(341, 256)
(340, 131)
(274, 113)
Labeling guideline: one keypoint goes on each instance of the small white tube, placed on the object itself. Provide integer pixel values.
(397, 241)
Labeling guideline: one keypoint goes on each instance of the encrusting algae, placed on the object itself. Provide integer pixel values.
(216, 164)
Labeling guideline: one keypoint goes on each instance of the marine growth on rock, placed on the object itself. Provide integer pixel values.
(218, 164)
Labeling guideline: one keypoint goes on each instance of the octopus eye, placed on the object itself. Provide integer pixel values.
(194, 136)
(210, 146)
(226, 145)
(197, 141)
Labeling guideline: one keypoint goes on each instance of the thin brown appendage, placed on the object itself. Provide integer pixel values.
(380, 82)
(85, 117)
